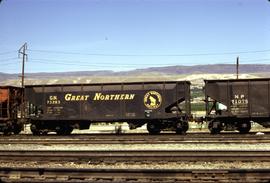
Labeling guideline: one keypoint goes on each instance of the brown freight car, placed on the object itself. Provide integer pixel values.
(61, 108)
(10, 111)
(234, 104)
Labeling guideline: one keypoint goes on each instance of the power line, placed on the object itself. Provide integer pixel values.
(115, 63)
(8, 52)
(73, 62)
(110, 64)
(150, 55)
(84, 65)
(8, 59)
(8, 64)
(261, 60)
(244, 61)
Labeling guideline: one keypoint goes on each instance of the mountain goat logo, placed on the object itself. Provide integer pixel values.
(152, 100)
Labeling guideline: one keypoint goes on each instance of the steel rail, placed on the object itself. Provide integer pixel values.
(132, 175)
(133, 139)
(135, 155)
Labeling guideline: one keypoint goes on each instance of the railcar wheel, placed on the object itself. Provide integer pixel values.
(60, 130)
(17, 129)
(153, 128)
(185, 127)
(63, 130)
(180, 128)
(244, 127)
(7, 131)
(68, 130)
(214, 127)
(44, 132)
(34, 130)
(215, 131)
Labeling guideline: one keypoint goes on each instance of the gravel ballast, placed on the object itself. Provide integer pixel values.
(82, 147)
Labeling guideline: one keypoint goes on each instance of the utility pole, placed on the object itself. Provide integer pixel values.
(21, 52)
(237, 67)
(24, 58)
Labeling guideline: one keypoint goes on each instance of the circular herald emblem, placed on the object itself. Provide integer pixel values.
(152, 100)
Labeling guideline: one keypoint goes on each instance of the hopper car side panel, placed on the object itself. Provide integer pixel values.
(235, 103)
(126, 102)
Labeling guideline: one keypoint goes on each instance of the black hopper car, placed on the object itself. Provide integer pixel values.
(234, 104)
(229, 105)
(62, 108)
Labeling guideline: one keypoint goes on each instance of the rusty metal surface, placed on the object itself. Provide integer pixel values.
(10, 100)
(110, 101)
(4, 93)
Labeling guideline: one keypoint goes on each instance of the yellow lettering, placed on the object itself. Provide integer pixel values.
(127, 97)
(131, 96)
(116, 97)
(68, 97)
(122, 96)
(112, 97)
(97, 96)
(73, 98)
(100, 96)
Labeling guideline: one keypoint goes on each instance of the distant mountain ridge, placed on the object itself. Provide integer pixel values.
(169, 70)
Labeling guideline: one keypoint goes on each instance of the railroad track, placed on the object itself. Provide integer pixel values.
(134, 156)
(136, 139)
(132, 175)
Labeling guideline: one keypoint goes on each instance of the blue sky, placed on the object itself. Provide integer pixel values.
(82, 35)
